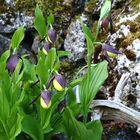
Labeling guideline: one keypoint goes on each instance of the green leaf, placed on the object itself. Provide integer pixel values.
(45, 65)
(51, 58)
(14, 124)
(2, 133)
(17, 38)
(63, 53)
(39, 23)
(5, 56)
(4, 105)
(77, 130)
(96, 128)
(50, 19)
(89, 38)
(99, 74)
(105, 10)
(29, 71)
(31, 127)
(87, 32)
(42, 69)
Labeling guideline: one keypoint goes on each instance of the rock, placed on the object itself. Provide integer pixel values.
(9, 22)
(75, 41)
(123, 32)
(4, 43)
(10, 2)
(126, 65)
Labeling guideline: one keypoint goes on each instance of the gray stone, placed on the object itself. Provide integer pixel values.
(75, 41)
(4, 43)
(10, 22)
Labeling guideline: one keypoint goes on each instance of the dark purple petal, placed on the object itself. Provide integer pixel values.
(61, 80)
(12, 62)
(52, 35)
(47, 47)
(111, 49)
(61, 105)
(105, 23)
(46, 96)
(107, 57)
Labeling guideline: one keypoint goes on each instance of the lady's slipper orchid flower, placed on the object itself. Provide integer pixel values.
(45, 99)
(12, 62)
(52, 35)
(46, 48)
(111, 52)
(59, 82)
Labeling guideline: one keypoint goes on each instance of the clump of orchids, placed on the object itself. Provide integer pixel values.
(57, 80)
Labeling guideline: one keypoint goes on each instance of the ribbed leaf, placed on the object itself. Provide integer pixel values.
(31, 127)
(40, 24)
(17, 38)
(99, 74)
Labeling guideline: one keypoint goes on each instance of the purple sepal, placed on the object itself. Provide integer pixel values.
(109, 48)
(61, 80)
(47, 47)
(46, 96)
(52, 35)
(12, 62)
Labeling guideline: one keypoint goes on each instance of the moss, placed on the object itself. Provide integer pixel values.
(135, 3)
(90, 6)
(46, 5)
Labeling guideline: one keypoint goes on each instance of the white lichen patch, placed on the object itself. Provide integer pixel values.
(133, 67)
(126, 18)
(75, 40)
(124, 31)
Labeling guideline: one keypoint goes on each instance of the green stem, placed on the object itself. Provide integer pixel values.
(85, 118)
(88, 84)
(6, 131)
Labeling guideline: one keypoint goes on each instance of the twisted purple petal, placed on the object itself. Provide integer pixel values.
(111, 49)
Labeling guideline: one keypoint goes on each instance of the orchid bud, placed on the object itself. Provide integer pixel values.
(52, 35)
(12, 62)
(45, 99)
(46, 48)
(111, 52)
(107, 24)
(61, 106)
(59, 82)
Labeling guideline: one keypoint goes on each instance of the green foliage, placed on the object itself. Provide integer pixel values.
(17, 38)
(10, 118)
(32, 127)
(98, 76)
(50, 19)
(77, 130)
(105, 10)
(20, 91)
(39, 23)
